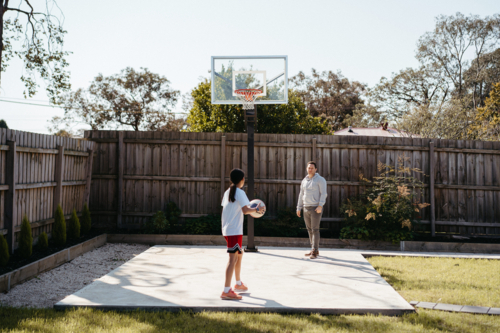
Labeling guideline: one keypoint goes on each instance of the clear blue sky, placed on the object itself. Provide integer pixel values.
(364, 39)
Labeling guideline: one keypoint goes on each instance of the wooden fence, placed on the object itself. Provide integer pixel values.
(37, 172)
(137, 173)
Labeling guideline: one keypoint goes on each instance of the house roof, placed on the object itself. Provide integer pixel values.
(364, 131)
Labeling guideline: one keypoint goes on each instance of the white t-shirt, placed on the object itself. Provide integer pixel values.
(232, 215)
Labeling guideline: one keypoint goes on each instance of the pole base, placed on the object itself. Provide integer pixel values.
(255, 249)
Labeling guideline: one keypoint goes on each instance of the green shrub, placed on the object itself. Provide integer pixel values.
(25, 239)
(43, 241)
(59, 227)
(205, 225)
(73, 226)
(4, 251)
(388, 209)
(172, 213)
(158, 224)
(286, 224)
(86, 222)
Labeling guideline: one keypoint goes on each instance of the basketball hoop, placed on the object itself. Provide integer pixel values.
(248, 96)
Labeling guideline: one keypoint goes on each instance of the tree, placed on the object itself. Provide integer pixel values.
(37, 38)
(365, 116)
(291, 118)
(487, 124)
(3, 124)
(329, 94)
(482, 75)
(453, 39)
(139, 99)
(408, 89)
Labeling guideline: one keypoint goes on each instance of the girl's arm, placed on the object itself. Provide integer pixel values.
(246, 210)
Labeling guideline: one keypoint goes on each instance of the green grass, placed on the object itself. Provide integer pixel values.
(455, 281)
(86, 320)
(442, 280)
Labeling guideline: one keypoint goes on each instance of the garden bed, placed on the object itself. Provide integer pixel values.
(12, 278)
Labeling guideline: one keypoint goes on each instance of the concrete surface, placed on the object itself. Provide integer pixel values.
(279, 279)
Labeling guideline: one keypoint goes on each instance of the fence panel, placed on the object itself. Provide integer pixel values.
(186, 168)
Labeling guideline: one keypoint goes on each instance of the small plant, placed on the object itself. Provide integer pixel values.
(158, 224)
(172, 213)
(43, 241)
(74, 226)
(205, 225)
(25, 239)
(4, 251)
(86, 222)
(388, 208)
(59, 227)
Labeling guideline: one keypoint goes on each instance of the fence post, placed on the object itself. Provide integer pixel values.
(121, 159)
(431, 189)
(314, 150)
(10, 195)
(222, 165)
(59, 177)
(88, 178)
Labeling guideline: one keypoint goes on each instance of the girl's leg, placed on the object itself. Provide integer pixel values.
(233, 258)
(237, 268)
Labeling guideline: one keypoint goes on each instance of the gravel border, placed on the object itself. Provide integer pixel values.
(50, 287)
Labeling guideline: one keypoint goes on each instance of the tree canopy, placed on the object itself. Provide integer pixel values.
(329, 95)
(487, 126)
(291, 118)
(3, 124)
(140, 99)
(35, 36)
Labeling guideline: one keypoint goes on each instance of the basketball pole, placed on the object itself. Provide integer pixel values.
(251, 117)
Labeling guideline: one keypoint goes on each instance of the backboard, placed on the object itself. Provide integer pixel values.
(267, 73)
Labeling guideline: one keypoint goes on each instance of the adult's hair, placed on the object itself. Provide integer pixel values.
(236, 177)
(313, 163)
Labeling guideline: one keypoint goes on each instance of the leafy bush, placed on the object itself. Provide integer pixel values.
(158, 224)
(59, 227)
(286, 224)
(172, 213)
(25, 239)
(43, 241)
(86, 221)
(4, 251)
(387, 209)
(73, 226)
(205, 225)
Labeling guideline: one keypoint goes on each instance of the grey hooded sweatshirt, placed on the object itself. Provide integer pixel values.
(312, 192)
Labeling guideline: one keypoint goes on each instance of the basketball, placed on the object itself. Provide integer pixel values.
(253, 204)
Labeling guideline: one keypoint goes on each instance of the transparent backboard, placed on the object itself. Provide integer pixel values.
(267, 73)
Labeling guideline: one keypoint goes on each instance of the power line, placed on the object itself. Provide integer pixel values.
(60, 107)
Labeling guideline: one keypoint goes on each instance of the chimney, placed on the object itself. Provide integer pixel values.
(350, 130)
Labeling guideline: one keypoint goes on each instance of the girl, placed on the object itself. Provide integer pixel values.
(234, 205)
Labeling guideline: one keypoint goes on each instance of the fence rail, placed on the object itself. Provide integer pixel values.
(137, 173)
(38, 172)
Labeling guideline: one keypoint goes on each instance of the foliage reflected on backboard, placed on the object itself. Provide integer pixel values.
(267, 73)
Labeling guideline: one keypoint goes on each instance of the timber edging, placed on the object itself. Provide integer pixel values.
(25, 273)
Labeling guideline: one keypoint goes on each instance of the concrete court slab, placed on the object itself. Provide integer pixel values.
(283, 280)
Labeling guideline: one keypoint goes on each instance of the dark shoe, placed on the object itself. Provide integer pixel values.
(309, 253)
(314, 255)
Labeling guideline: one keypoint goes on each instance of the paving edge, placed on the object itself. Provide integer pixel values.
(283, 310)
(25, 273)
(456, 308)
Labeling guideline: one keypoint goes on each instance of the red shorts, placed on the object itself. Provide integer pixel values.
(234, 243)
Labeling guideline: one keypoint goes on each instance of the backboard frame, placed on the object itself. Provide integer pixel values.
(258, 101)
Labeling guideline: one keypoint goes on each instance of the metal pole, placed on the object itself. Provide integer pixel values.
(250, 117)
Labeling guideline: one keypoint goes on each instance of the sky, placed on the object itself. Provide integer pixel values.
(364, 39)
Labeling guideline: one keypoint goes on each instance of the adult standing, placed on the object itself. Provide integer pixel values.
(312, 198)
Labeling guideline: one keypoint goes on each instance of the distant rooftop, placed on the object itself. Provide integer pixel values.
(379, 131)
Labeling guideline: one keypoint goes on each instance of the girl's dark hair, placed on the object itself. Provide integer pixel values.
(236, 176)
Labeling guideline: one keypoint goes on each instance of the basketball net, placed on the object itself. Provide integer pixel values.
(247, 97)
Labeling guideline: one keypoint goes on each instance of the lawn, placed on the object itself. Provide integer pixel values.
(456, 281)
(442, 280)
